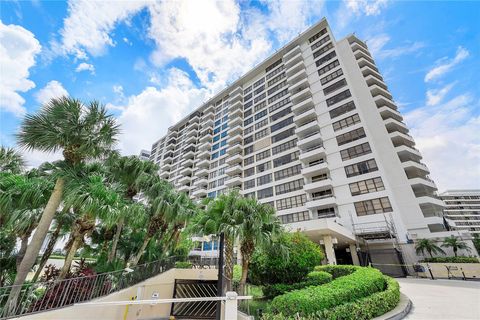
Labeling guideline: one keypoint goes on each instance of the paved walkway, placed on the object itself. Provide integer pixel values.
(442, 299)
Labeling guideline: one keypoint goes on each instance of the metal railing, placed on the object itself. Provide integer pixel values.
(49, 295)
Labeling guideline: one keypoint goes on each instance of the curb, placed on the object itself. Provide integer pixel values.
(400, 311)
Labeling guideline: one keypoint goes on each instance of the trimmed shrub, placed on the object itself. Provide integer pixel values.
(451, 260)
(361, 283)
(363, 309)
(314, 278)
(269, 267)
(183, 265)
(338, 270)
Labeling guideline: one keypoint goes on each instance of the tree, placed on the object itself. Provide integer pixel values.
(455, 244)
(258, 227)
(429, 246)
(131, 172)
(81, 132)
(476, 242)
(11, 161)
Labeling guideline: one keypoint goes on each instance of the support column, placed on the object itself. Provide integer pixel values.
(353, 252)
(327, 242)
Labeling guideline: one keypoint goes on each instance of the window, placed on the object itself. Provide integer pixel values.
(320, 43)
(265, 193)
(264, 179)
(277, 87)
(278, 96)
(258, 82)
(248, 130)
(261, 124)
(264, 166)
(260, 106)
(350, 136)
(366, 186)
(331, 76)
(247, 121)
(248, 113)
(248, 140)
(326, 213)
(261, 114)
(259, 90)
(280, 114)
(346, 122)
(247, 150)
(277, 79)
(273, 65)
(262, 155)
(248, 161)
(249, 195)
(325, 58)
(284, 146)
(317, 35)
(328, 67)
(322, 194)
(288, 172)
(221, 182)
(322, 50)
(247, 105)
(291, 202)
(337, 85)
(289, 186)
(344, 108)
(361, 168)
(339, 97)
(285, 159)
(249, 172)
(261, 134)
(260, 97)
(247, 97)
(249, 184)
(294, 217)
(282, 124)
(373, 206)
(275, 72)
(212, 185)
(355, 151)
(279, 104)
(283, 135)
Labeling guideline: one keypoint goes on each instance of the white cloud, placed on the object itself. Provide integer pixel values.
(18, 48)
(36, 158)
(366, 7)
(147, 116)
(89, 23)
(85, 67)
(448, 138)
(444, 65)
(53, 89)
(435, 96)
(377, 45)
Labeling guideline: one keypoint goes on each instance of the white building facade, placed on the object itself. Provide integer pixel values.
(314, 132)
(462, 210)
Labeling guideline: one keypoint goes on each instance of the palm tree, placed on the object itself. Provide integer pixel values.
(455, 244)
(11, 161)
(130, 172)
(81, 132)
(429, 246)
(222, 215)
(258, 227)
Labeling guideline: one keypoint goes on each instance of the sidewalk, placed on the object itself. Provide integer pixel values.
(442, 299)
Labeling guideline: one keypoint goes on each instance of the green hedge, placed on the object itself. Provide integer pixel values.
(314, 278)
(451, 260)
(183, 265)
(338, 270)
(363, 309)
(363, 282)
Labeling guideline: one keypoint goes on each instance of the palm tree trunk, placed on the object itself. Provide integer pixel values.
(23, 249)
(229, 262)
(455, 251)
(48, 251)
(140, 252)
(247, 248)
(36, 244)
(77, 241)
(116, 238)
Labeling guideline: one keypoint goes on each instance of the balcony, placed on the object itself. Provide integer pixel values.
(192, 133)
(164, 174)
(300, 75)
(389, 113)
(204, 163)
(199, 193)
(412, 167)
(310, 140)
(236, 158)
(236, 95)
(234, 181)
(204, 155)
(399, 138)
(293, 60)
(235, 127)
(300, 94)
(190, 139)
(362, 54)
(168, 159)
(209, 109)
(312, 153)
(169, 147)
(315, 169)
(395, 125)
(184, 180)
(299, 84)
(292, 54)
(233, 122)
(206, 137)
(186, 171)
(368, 70)
(234, 170)
(321, 202)
(307, 129)
(303, 105)
(237, 90)
(194, 124)
(295, 68)
(166, 166)
(234, 139)
(205, 146)
(208, 123)
(422, 182)
(407, 152)
(235, 148)
(317, 185)
(373, 80)
(236, 113)
(431, 200)
(187, 163)
(201, 182)
(362, 62)
(357, 47)
(305, 117)
(184, 188)
(381, 101)
(236, 106)
(189, 154)
(202, 172)
(376, 90)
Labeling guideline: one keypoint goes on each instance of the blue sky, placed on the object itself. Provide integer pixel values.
(153, 62)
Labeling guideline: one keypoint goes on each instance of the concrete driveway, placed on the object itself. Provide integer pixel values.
(442, 299)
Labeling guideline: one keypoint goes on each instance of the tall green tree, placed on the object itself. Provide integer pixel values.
(258, 226)
(455, 244)
(11, 161)
(81, 132)
(429, 246)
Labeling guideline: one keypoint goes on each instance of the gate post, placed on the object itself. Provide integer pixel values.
(231, 306)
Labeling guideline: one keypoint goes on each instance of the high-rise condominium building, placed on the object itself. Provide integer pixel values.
(314, 132)
(462, 210)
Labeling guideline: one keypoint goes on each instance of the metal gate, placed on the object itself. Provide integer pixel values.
(389, 262)
(194, 289)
